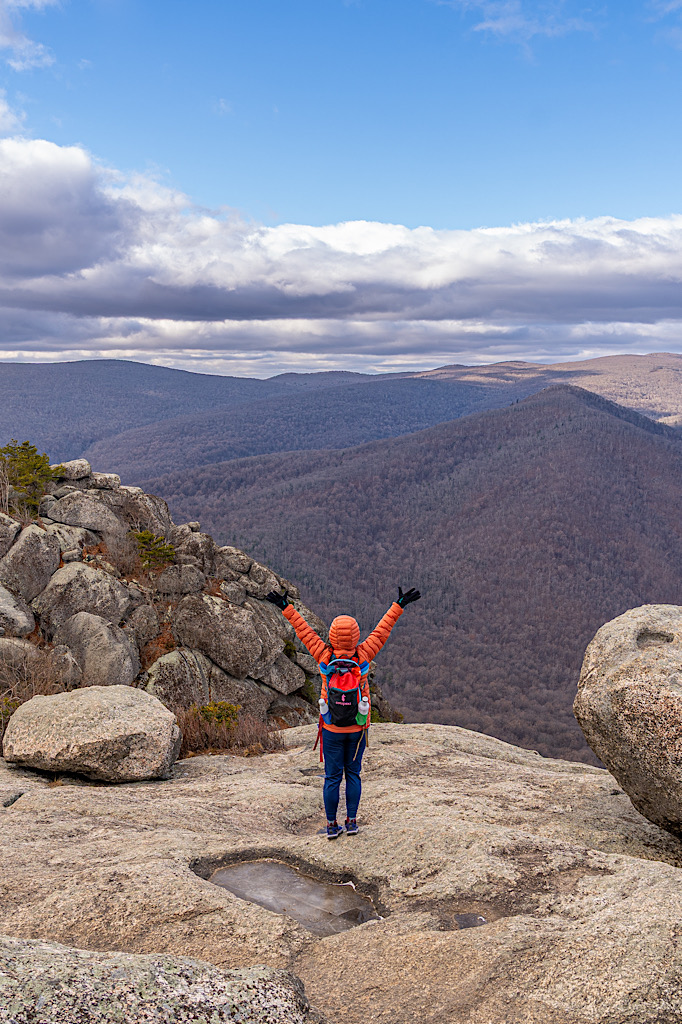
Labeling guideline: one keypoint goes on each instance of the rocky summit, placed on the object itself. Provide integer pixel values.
(494, 886)
(196, 629)
(509, 888)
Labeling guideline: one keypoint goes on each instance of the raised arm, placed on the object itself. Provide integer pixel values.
(305, 633)
(370, 647)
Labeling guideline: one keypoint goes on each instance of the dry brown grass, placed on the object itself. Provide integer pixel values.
(162, 644)
(24, 675)
(248, 736)
(121, 550)
(212, 588)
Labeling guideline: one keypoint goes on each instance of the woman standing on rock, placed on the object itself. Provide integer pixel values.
(345, 702)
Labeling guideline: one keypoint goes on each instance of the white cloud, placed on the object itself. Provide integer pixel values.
(24, 53)
(92, 263)
(521, 21)
(11, 121)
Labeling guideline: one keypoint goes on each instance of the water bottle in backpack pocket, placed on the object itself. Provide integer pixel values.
(344, 692)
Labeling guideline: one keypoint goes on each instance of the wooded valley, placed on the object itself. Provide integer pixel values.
(525, 529)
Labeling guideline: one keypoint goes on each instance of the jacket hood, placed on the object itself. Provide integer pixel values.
(344, 635)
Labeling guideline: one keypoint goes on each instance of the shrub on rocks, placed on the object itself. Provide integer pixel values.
(154, 552)
(219, 726)
(28, 473)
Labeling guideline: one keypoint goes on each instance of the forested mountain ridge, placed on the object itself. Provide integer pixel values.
(332, 417)
(141, 419)
(525, 528)
(66, 407)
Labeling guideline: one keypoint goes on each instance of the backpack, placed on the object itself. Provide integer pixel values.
(344, 682)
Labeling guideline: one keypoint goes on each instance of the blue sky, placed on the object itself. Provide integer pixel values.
(156, 156)
(407, 111)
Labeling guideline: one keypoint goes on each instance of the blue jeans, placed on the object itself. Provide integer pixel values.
(339, 750)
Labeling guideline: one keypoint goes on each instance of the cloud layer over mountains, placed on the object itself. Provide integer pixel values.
(92, 263)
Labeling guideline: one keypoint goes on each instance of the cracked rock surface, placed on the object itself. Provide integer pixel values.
(580, 895)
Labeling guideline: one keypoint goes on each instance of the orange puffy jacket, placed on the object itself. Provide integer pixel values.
(323, 653)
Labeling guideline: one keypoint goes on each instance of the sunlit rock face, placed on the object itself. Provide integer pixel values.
(579, 894)
(629, 705)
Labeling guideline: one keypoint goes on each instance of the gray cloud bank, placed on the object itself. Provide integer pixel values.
(94, 264)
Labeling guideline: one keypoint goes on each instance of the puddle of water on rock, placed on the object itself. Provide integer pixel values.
(469, 920)
(322, 907)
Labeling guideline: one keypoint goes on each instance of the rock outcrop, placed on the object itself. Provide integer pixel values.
(113, 733)
(105, 654)
(578, 898)
(80, 588)
(30, 562)
(15, 615)
(629, 706)
(44, 982)
(193, 630)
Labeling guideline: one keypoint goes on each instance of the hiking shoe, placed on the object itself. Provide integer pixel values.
(334, 830)
(351, 827)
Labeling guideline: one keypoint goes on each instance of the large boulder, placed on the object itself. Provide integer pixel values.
(30, 562)
(79, 588)
(105, 481)
(76, 469)
(245, 693)
(15, 615)
(282, 675)
(629, 706)
(178, 580)
(9, 528)
(137, 510)
(44, 982)
(232, 560)
(200, 547)
(180, 678)
(259, 580)
(104, 652)
(86, 510)
(113, 733)
(72, 538)
(143, 624)
(223, 632)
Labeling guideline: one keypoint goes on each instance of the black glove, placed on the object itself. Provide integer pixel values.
(405, 599)
(281, 600)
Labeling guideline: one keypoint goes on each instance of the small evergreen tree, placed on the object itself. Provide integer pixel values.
(27, 472)
(154, 551)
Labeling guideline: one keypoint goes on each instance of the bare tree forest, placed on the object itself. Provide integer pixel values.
(525, 528)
